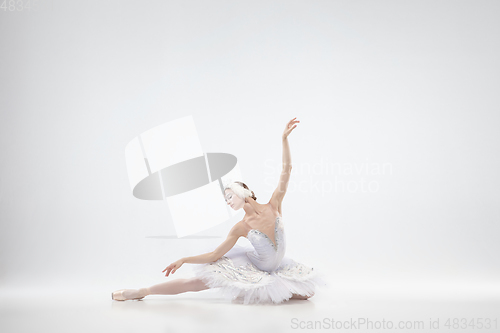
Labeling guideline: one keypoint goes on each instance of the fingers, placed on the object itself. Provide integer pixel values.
(288, 130)
(168, 269)
(293, 121)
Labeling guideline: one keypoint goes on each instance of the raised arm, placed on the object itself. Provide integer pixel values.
(279, 193)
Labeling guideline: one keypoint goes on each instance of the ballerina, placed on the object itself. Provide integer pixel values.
(260, 273)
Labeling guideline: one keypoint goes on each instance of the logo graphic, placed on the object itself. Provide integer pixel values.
(167, 162)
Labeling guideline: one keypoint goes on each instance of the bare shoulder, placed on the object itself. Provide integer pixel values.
(240, 229)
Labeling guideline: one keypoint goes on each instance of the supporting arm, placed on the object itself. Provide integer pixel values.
(200, 259)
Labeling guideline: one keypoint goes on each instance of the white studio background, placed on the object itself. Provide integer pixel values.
(403, 93)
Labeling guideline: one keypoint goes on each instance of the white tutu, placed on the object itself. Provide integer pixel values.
(240, 279)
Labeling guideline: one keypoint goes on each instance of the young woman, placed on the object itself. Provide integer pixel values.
(257, 274)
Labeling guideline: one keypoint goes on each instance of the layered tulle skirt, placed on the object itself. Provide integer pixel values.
(240, 280)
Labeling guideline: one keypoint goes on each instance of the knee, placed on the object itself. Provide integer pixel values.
(304, 297)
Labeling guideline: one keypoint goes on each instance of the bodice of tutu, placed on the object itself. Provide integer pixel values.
(267, 256)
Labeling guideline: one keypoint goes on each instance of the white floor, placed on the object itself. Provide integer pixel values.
(415, 305)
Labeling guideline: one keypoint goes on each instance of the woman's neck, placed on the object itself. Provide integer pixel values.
(253, 208)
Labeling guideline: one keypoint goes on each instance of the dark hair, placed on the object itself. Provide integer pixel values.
(245, 186)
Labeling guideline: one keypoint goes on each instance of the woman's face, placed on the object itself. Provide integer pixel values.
(233, 200)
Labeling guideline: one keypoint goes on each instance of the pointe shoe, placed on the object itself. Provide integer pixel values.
(118, 295)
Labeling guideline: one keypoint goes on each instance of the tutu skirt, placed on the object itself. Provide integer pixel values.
(239, 279)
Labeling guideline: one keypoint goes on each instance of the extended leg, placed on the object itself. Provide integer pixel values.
(177, 286)
(166, 288)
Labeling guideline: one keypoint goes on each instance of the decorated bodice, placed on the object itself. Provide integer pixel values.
(267, 256)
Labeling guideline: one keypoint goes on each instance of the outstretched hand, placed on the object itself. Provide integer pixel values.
(289, 127)
(173, 267)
